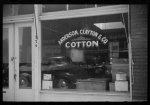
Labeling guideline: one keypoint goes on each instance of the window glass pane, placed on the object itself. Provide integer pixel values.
(54, 7)
(25, 61)
(80, 6)
(123, 51)
(7, 10)
(79, 55)
(5, 65)
(24, 9)
(18, 9)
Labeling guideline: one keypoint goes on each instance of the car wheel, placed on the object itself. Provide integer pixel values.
(23, 82)
(62, 83)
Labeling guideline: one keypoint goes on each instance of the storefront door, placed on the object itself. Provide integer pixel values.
(17, 62)
(24, 62)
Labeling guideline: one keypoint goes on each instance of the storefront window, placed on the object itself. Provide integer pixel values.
(77, 53)
(5, 65)
(25, 61)
(17, 9)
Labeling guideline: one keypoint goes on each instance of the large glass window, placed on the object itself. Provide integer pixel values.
(17, 9)
(78, 53)
(5, 65)
(25, 59)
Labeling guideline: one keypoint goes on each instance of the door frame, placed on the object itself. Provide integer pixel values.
(8, 93)
(11, 93)
(23, 94)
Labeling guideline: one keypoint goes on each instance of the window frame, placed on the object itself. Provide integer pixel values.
(115, 9)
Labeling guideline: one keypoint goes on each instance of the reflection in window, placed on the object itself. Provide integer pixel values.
(17, 9)
(54, 7)
(123, 51)
(7, 10)
(5, 65)
(63, 7)
(118, 49)
(25, 63)
(80, 6)
(24, 9)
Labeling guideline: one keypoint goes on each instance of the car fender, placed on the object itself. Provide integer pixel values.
(26, 75)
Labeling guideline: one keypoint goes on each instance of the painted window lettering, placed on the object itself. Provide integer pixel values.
(82, 43)
(69, 35)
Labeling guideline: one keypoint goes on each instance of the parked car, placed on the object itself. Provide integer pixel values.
(65, 73)
(25, 75)
(62, 70)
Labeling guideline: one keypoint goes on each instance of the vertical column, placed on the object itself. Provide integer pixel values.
(130, 53)
(37, 70)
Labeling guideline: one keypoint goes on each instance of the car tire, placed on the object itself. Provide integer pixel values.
(23, 82)
(62, 84)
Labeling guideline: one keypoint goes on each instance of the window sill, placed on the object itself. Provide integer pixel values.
(84, 92)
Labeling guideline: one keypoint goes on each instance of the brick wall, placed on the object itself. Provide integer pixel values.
(139, 50)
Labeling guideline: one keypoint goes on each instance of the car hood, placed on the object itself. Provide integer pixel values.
(63, 66)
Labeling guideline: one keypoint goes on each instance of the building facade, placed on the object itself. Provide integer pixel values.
(69, 52)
